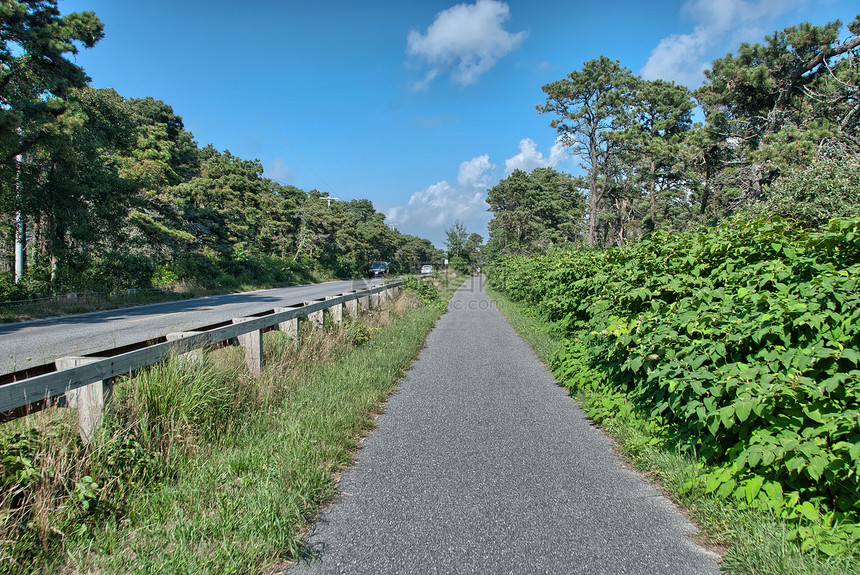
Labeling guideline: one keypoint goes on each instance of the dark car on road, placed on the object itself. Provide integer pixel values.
(378, 269)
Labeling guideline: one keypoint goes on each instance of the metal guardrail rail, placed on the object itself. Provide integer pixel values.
(30, 390)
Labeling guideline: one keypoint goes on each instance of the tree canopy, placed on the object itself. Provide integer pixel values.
(535, 211)
(776, 114)
(108, 192)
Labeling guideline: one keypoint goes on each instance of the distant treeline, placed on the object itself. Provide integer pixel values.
(103, 192)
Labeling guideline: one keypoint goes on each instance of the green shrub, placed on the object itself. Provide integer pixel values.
(9, 290)
(742, 340)
(425, 290)
(815, 193)
(118, 270)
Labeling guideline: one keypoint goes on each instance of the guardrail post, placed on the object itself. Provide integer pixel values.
(364, 303)
(374, 300)
(90, 400)
(291, 328)
(253, 344)
(352, 308)
(336, 311)
(317, 318)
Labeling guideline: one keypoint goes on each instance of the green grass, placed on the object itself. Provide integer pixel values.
(750, 541)
(203, 468)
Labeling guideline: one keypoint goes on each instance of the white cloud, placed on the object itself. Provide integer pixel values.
(679, 58)
(468, 37)
(438, 205)
(530, 157)
(718, 25)
(279, 170)
(476, 173)
(429, 211)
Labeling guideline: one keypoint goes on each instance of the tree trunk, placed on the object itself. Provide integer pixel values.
(593, 198)
(706, 195)
(37, 240)
(755, 183)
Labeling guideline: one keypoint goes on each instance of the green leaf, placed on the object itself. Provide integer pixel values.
(713, 482)
(727, 416)
(773, 490)
(808, 511)
(752, 487)
(726, 489)
(854, 451)
(851, 355)
(743, 409)
(814, 415)
(816, 467)
(830, 549)
(714, 425)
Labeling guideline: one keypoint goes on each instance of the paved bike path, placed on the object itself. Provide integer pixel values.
(481, 463)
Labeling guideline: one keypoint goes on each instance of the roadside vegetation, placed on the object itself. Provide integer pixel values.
(726, 362)
(200, 467)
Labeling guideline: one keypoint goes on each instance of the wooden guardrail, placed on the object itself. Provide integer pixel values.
(85, 381)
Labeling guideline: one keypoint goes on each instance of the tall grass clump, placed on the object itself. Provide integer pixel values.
(56, 488)
(45, 495)
(175, 405)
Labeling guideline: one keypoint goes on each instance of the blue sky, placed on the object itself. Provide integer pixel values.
(419, 106)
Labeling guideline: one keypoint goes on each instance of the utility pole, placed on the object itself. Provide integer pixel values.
(329, 199)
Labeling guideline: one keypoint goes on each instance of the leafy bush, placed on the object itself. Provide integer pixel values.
(742, 341)
(462, 265)
(816, 192)
(117, 270)
(9, 290)
(357, 332)
(425, 291)
(41, 467)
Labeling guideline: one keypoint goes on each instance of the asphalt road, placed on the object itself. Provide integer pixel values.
(481, 463)
(30, 343)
